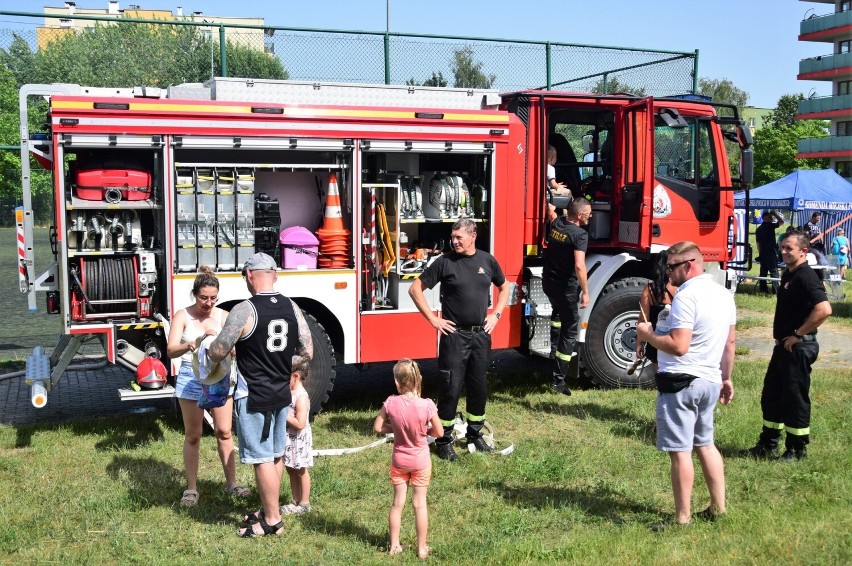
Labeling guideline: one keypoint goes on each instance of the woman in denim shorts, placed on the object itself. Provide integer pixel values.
(202, 317)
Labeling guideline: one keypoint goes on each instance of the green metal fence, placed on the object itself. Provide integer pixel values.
(124, 52)
(377, 57)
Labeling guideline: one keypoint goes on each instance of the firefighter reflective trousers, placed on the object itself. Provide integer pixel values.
(463, 359)
(564, 298)
(785, 399)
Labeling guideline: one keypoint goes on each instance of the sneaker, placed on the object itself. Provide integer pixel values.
(446, 452)
(481, 445)
(793, 455)
(302, 509)
(761, 451)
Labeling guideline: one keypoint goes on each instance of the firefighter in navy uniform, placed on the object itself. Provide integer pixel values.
(565, 283)
(466, 275)
(801, 307)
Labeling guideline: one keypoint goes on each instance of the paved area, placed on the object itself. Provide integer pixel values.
(90, 392)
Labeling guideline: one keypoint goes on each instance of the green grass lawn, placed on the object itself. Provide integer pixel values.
(582, 487)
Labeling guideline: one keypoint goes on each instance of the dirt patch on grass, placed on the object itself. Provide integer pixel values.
(834, 340)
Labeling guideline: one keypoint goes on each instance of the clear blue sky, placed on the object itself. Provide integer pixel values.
(753, 43)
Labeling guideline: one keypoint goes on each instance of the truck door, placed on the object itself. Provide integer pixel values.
(633, 201)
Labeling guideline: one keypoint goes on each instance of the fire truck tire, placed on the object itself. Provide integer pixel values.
(320, 382)
(610, 344)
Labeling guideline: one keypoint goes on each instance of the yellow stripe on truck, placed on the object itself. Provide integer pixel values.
(296, 111)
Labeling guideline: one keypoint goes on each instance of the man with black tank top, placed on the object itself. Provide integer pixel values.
(802, 306)
(466, 275)
(270, 334)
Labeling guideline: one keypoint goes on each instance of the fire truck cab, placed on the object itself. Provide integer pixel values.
(353, 189)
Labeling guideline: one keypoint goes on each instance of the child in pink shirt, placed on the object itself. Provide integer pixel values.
(408, 417)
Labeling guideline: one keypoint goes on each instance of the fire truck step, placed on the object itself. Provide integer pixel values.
(128, 394)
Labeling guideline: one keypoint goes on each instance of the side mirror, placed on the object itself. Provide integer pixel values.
(747, 166)
(744, 136)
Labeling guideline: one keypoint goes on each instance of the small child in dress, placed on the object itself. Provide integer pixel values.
(408, 417)
(298, 454)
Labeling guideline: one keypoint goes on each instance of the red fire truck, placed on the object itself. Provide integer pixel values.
(353, 188)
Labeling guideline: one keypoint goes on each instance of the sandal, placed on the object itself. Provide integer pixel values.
(238, 490)
(395, 550)
(708, 515)
(266, 529)
(424, 554)
(289, 509)
(253, 517)
(189, 499)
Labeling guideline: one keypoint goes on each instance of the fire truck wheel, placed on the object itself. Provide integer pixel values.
(610, 344)
(320, 382)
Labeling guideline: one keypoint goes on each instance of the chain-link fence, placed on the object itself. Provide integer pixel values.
(99, 51)
(187, 48)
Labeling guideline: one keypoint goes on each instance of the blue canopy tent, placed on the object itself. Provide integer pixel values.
(807, 189)
(803, 192)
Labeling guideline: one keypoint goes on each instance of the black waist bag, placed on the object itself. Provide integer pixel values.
(672, 382)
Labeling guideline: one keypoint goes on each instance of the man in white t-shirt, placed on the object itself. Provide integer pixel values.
(696, 358)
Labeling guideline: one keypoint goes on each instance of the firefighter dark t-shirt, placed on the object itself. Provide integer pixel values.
(563, 239)
(465, 285)
(265, 354)
(799, 292)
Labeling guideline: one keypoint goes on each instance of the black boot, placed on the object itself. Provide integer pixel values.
(796, 448)
(445, 451)
(793, 455)
(444, 445)
(767, 444)
(474, 436)
(560, 370)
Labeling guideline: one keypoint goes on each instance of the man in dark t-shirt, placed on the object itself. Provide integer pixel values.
(815, 233)
(464, 352)
(565, 283)
(785, 400)
(271, 336)
(767, 248)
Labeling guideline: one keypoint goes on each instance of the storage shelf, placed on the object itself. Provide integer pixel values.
(109, 251)
(82, 204)
(437, 220)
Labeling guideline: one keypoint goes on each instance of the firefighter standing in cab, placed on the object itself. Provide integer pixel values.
(464, 352)
(565, 283)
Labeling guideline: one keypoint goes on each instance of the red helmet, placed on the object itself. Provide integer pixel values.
(151, 374)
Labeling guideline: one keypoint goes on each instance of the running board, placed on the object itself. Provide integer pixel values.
(128, 394)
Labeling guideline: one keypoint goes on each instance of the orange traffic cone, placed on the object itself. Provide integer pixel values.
(333, 236)
(333, 215)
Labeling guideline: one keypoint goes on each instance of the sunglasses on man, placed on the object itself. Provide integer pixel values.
(672, 266)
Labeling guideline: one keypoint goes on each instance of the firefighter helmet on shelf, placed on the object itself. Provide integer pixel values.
(151, 374)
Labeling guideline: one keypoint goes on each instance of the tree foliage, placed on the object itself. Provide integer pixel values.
(775, 149)
(437, 79)
(468, 73)
(10, 162)
(126, 54)
(723, 91)
(785, 112)
(612, 85)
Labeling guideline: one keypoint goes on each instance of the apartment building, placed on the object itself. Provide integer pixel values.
(833, 28)
(62, 20)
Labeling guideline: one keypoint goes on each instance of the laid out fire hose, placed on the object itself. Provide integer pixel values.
(459, 430)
